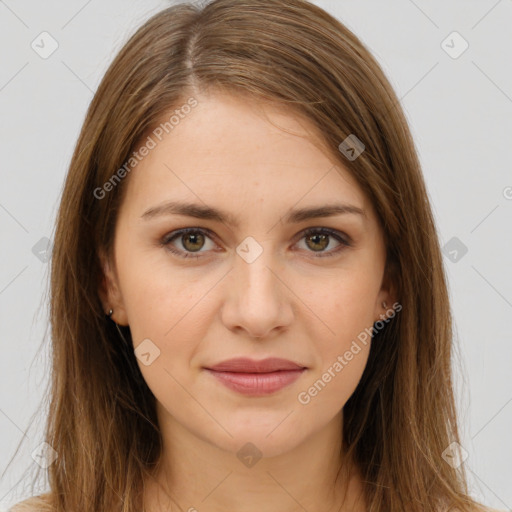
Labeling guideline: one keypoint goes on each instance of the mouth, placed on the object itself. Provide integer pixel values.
(256, 378)
(257, 384)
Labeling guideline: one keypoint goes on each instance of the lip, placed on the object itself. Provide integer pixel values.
(246, 365)
(256, 378)
(257, 384)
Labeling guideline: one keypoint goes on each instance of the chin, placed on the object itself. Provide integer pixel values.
(267, 439)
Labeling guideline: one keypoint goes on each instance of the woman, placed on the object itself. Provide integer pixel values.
(248, 304)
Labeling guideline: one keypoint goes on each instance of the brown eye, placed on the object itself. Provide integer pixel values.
(192, 241)
(318, 239)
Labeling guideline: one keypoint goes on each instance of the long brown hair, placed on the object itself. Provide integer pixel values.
(402, 416)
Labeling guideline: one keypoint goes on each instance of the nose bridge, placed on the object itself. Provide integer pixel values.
(258, 300)
(253, 268)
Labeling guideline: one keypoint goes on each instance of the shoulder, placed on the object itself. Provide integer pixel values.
(482, 508)
(475, 507)
(34, 504)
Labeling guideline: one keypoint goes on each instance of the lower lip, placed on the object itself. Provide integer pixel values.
(257, 384)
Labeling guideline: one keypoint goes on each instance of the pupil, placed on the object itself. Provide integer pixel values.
(323, 238)
(194, 238)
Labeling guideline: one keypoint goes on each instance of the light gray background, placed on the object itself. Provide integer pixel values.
(460, 112)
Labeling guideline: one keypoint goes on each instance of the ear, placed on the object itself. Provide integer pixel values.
(110, 292)
(386, 294)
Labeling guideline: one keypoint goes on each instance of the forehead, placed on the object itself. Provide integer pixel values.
(236, 153)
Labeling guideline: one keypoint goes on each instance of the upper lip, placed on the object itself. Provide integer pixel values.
(246, 365)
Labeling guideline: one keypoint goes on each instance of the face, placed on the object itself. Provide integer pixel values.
(264, 280)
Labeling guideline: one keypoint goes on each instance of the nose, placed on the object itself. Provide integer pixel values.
(258, 300)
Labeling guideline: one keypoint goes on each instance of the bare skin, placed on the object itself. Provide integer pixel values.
(290, 302)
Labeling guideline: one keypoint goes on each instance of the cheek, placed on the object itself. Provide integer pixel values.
(343, 337)
(342, 351)
(346, 303)
(172, 308)
(157, 295)
(329, 389)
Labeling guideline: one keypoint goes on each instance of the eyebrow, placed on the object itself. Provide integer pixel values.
(294, 216)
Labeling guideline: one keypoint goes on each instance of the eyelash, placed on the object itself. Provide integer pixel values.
(344, 241)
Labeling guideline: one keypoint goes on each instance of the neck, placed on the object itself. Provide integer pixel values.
(195, 475)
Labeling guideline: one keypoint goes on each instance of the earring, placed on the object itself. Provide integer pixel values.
(384, 304)
(110, 312)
